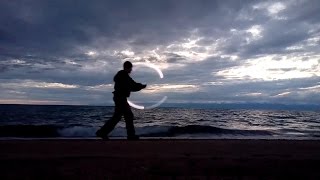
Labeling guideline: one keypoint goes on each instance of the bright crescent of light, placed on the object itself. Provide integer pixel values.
(152, 66)
(135, 105)
(157, 104)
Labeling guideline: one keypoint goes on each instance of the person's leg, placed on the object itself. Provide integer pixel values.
(128, 116)
(112, 122)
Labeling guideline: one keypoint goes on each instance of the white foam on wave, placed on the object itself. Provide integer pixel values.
(151, 129)
(83, 131)
(122, 132)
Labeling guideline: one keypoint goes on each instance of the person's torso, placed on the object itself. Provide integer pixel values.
(122, 84)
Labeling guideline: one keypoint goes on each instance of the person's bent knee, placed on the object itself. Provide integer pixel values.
(128, 117)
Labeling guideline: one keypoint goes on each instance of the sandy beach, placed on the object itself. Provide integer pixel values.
(159, 159)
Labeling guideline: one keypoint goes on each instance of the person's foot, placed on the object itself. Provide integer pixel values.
(102, 135)
(135, 137)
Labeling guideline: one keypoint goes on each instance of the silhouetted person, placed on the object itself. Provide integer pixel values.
(124, 84)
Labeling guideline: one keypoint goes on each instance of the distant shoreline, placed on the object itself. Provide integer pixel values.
(245, 106)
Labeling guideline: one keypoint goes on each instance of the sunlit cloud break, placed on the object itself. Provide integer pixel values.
(172, 88)
(36, 84)
(205, 52)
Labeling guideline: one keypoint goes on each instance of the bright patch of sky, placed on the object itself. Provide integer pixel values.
(273, 8)
(208, 51)
(268, 69)
(35, 84)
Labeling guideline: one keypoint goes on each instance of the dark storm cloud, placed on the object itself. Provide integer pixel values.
(304, 11)
(198, 73)
(62, 25)
(172, 57)
(289, 27)
(277, 37)
(83, 43)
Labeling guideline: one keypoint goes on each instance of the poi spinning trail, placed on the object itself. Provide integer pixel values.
(159, 102)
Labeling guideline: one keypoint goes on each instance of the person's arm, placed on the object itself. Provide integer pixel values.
(136, 86)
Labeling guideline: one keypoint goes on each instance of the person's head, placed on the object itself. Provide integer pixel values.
(127, 66)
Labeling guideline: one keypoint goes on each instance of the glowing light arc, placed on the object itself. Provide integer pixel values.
(158, 70)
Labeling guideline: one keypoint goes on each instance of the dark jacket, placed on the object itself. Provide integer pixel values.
(124, 84)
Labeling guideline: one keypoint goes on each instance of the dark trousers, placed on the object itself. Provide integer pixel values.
(122, 108)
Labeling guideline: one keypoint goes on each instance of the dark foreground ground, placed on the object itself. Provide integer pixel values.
(159, 159)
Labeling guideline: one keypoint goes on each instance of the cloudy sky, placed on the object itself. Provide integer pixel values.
(67, 52)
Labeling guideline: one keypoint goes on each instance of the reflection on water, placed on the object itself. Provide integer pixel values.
(177, 122)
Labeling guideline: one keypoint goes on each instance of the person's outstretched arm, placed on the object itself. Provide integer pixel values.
(136, 86)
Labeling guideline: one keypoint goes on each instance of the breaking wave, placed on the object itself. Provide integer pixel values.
(44, 131)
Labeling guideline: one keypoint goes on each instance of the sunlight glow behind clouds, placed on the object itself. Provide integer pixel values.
(34, 84)
(91, 53)
(276, 8)
(30, 101)
(207, 51)
(100, 87)
(255, 31)
(283, 94)
(315, 88)
(183, 88)
(266, 68)
(271, 7)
